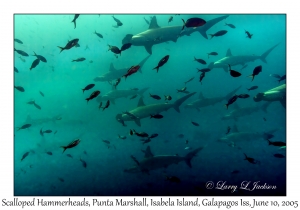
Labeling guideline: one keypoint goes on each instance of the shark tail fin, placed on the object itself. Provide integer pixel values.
(180, 101)
(190, 156)
(265, 54)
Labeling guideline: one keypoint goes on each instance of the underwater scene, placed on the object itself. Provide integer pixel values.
(149, 105)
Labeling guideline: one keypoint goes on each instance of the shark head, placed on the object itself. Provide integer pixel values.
(139, 40)
(258, 97)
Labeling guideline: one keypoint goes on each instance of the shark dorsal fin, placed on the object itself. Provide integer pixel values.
(141, 102)
(148, 153)
(234, 129)
(201, 96)
(153, 23)
(228, 53)
(112, 68)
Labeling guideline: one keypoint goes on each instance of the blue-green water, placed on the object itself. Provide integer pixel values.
(61, 81)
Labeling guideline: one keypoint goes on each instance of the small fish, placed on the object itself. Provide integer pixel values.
(37, 106)
(55, 132)
(156, 116)
(168, 98)
(133, 96)
(251, 160)
(153, 135)
(122, 137)
(18, 41)
(19, 88)
(87, 48)
(119, 23)
(41, 132)
(83, 163)
(131, 132)
(162, 62)
(88, 87)
(99, 35)
(252, 88)
(71, 145)
(106, 105)
(195, 124)
(282, 78)
(22, 59)
(78, 60)
(69, 45)
(275, 75)
(69, 155)
(155, 96)
(126, 46)
(200, 61)
(231, 100)
(35, 63)
(21, 52)
(228, 129)
(135, 160)
(244, 66)
(42, 94)
(204, 70)
(106, 141)
(186, 141)
(219, 33)
(49, 153)
(202, 75)
(189, 80)
(173, 179)
(141, 134)
(131, 71)
(279, 156)
(47, 131)
(248, 34)
(256, 71)
(24, 155)
(170, 19)
(85, 152)
(193, 22)
(243, 96)
(24, 126)
(230, 25)
(74, 20)
(30, 102)
(235, 172)
(276, 143)
(91, 61)
(234, 73)
(43, 59)
(93, 95)
(212, 53)
(61, 179)
(16, 70)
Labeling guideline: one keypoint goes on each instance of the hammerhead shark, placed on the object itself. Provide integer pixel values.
(156, 34)
(234, 60)
(114, 74)
(143, 111)
(151, 162)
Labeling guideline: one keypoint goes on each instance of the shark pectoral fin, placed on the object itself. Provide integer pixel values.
(283, 102)
(148, 48)
(138, 122)
(174, 39)
(112, 101)
(225, 69)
